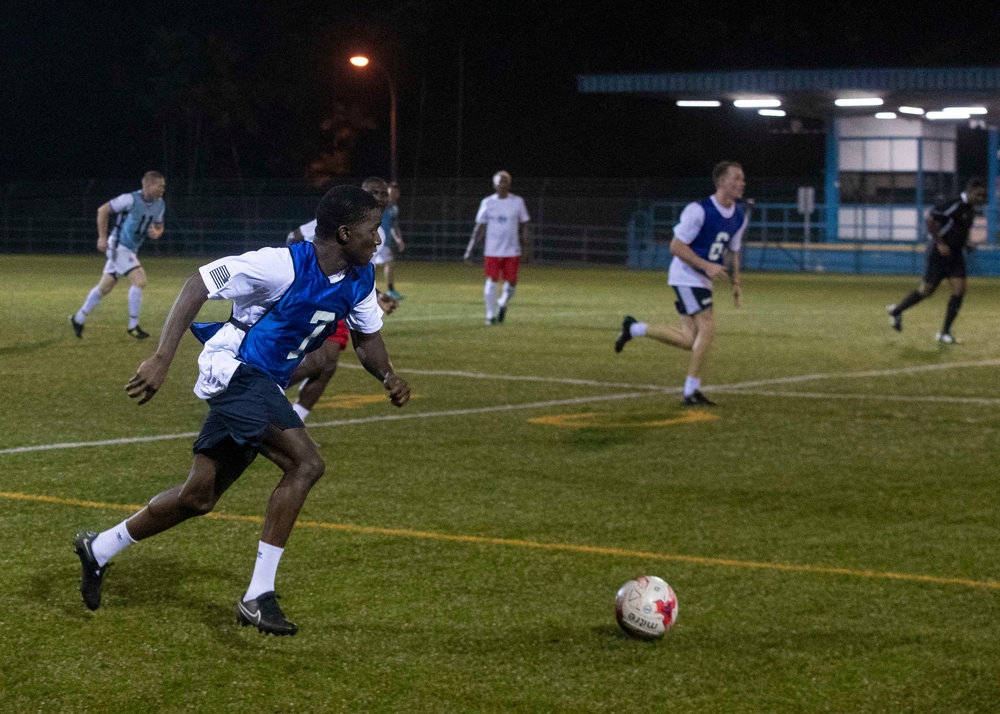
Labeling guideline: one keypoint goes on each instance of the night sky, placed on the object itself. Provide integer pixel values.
(229, 89)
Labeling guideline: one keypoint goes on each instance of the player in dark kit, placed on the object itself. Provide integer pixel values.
(948, 226)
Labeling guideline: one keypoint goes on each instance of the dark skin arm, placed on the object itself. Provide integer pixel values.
(933, 226)
(374, 358)
(152, 373)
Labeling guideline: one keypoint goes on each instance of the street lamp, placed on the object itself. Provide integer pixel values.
(361, 61)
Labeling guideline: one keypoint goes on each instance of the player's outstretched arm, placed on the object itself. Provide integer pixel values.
(152, 373)
(373, 356)
(477, 235)
(102, 227)
(683, 251)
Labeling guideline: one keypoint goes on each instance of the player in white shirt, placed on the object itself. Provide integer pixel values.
(705, 247)
(503, 220)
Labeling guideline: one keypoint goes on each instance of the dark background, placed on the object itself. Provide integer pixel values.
(226, 89)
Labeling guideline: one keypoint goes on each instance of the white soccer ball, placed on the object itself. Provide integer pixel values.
(646, 607)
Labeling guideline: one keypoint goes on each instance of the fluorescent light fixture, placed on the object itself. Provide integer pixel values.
(947, 115)
(858, 102)
(756, 103)
(964, 110)
(698, 103)
(911, 110)
(771, 112)
(885, 115)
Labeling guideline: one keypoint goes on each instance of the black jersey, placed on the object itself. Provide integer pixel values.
(954, 218)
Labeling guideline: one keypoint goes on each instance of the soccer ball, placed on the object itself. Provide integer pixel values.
(646, 607)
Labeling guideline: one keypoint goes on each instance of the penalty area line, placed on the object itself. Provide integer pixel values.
(537, 545)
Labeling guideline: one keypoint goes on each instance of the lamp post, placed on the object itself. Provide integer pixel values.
(361, 61)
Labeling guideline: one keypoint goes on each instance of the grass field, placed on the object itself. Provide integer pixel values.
(832, 539)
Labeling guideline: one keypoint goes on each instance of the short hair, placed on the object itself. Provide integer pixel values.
(151, 176)
(722, 167)
(974, 183)
(500, 174)
(342, 206)
(373, 181)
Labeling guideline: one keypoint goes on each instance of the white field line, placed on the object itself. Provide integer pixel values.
(867, 397)
(478, 316)
(651, 390)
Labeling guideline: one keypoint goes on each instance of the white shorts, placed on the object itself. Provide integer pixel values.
(383, 255)
(121, 260)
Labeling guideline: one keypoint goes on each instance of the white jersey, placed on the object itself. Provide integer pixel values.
(308, 231)
(503, 218)
(690, 224)
(254, 282)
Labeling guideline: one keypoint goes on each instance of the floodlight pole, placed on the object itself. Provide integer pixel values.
(362, 61)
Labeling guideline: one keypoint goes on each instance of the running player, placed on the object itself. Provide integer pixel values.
(319, 366)
(705, 246)
(948, 225)
(140, 214)
(390, 231)
(503, 219)
(285, 302)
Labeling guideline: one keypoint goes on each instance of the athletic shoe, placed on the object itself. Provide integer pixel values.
(491, 321)
(77, 327)
(625, 335)
(697, 399)
(138, 333)
(93, 574)
(502, 314)
(264, 613)
(946, 338)
(394, 295)
(895, 319)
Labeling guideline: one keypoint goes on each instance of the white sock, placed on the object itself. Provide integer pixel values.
(506, 295)
(637, 329)
(691, 385)
(301, 411)
(134, 306)
(111, 542)
(93, 298)
(490, 294)
(264, 571)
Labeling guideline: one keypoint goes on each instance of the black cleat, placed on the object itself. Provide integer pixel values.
(624, 336)
(895, 318)
(264, 613)
(501, 314)
(93, 574)
(697, 400)
(77, 327)
(138, 333)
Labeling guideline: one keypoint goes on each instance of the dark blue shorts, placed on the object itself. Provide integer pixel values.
(238, 418)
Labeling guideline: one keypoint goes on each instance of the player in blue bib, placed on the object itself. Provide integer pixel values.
(285, 303)
(138, 215)
(706, 246)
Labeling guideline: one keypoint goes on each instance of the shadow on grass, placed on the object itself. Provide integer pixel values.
(28, 348)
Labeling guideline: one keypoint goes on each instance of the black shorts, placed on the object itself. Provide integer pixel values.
(239, 416)
(691, 301)
(940, 266)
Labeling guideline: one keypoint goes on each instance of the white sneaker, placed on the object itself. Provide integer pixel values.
(946, 338)
(895, 321)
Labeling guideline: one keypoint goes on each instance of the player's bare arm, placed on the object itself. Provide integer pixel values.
(477, 235)
(934, 228)
(683, 251)
(733, 268)
(398, 238)
(102, 227)
(373, 357)
(152, 373)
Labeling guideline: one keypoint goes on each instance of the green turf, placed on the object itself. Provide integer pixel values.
(410, 623)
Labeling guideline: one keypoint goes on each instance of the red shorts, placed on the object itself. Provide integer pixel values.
(340, 335)
(506, 267)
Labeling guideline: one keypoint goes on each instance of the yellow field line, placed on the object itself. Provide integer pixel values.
(564, 547)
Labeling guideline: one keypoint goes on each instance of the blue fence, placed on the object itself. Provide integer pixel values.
(779, 239)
